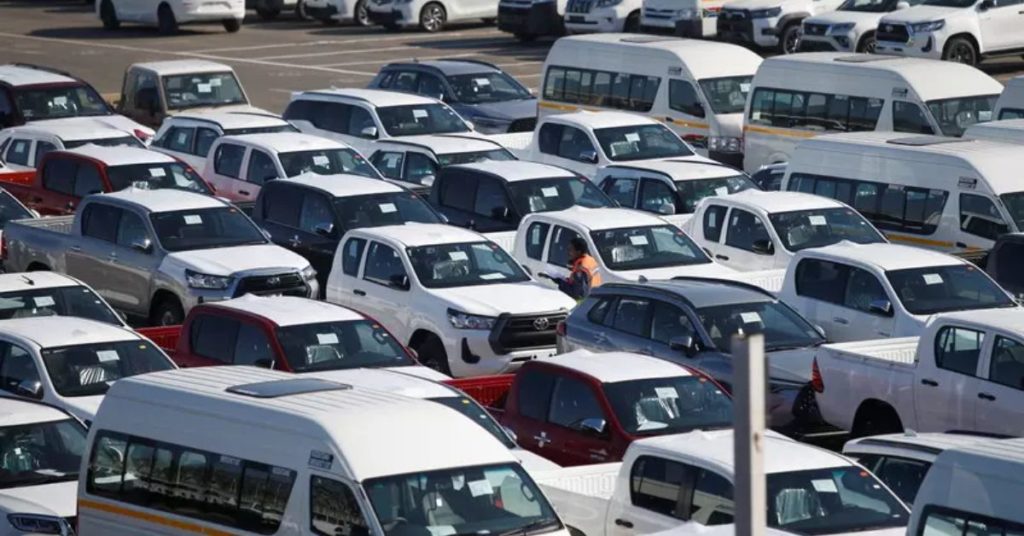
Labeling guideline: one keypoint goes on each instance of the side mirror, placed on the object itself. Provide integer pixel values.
(30, 389)
(369, 133)
(589, 155)
(986, 5)
(594, 426)
(763, 247)
(684, 344)
(667, 209)
(902, 5)
(324, 229)
(511, 434)
(820, 330)
(882, 307)
(143, 245)
(400, 282)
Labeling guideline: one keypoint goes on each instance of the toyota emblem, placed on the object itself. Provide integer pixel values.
(541, 324)
(274, 280)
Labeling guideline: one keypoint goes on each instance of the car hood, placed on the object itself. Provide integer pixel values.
(232, 260)
(534, 463)
(57, 499)
(753, 4)
(510, 110)
(860, 18)
(919, 14)
(511, 298)
(709, 269)
(83, 407)
(117, 121)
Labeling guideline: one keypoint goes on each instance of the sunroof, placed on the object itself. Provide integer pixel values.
(924, 141)
(279, 388)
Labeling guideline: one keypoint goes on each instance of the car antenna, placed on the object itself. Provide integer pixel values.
(28, 279)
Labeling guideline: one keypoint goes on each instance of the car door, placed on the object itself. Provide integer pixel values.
(709, 229)
(133, 262)
(946, 391)
(622, 190)
(316, 238)
(88, 259)
(227, 171)
(528, 419)
(56, 195)
(384, 289)
(655, 501)
(745, 233)
(343, 279)
(1001, 25)
(535, 239)
(259, 170)
(575, 412)
(862, 314)
(557, 257)
(820, 288)
(1001, 394)
(279, 212)
(389, 163)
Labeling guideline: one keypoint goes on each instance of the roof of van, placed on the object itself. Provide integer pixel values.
(14, 282)
(927, 444)
(613, 367)
(345, 185)
(775, 202)
(442, 143)
(993, 458)
(55, 331)
(15, 412)
(163, 200)
(393, 380)
(122, 156)
(422, 234)
(883, 256)
(704, 59)
(177, 67)
(596, 120)
(956, 79)
(289, 310)
(677, 169)
(287, 142)
(519, 170)
(599, 219)
(376, 433)
(1008, 319)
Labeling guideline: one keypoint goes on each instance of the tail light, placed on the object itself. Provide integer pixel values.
(142, 135)
(816, 382)
(560, 329)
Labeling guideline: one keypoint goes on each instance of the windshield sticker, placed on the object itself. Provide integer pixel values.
(458, 481)
(480, 487)
(157, 172)
(745, 88)
(327, 338)
(482, 82)
(107, 356)
(817, 219)
(387, 208)
(193, 219)
(216, 82)
(320, 460)
(638, 240)
(932, 279)
(549, 192)
(633, 137)
(204, 88)
(492, 276)
(825, 486)
(419, 114)
(458, 256)
(321, 160)
(666, 392)
(750, 318)
(43, 301)
(722, 191)
(60, 101)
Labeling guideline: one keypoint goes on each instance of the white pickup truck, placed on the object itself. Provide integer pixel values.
(965, 373)
(685, 481)
(587, 141)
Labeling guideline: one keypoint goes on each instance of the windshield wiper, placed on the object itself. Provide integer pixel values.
(530, 528)
(39, 479)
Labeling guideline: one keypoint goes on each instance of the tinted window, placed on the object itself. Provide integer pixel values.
(100, 221)
(87, 180)
(353, 253)
(549, 138)
(600, 88)
(714, 222)
(464, 264)
(683, 97)
(170, 175)
(491, 199)
(204, 140)
(598, 314)
(536, 236)
(253, 348)
(458, 191)
(632, 315)
(638, 248)
(712, 502)
(214, 337)
(821, 280)
(59, 175)
(1011, 113)
(574, 144)
(745, 229)
(979, 216)
(948, 522)
(909, 117)
(955, 115)
(316, 213)
(333, 509)
(862, 290)
(18, 152)
(261, 168)
(178, 139)
(669, 322)
(656, 485)
(420, 119)
(623, 191)
(42, 148)
(228, 160)
(282, 204)
(814, 111)
(691, 192)
(573, 402)
(359, 120)
(131, 229)
(903, 476)
(657, 197)
(383, 265)
(957, 349)
(533, 393)
(1007, 366)
(389, 163)
(17, 367)
(418, 167)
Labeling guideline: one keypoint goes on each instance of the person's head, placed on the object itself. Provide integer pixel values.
(577, 248)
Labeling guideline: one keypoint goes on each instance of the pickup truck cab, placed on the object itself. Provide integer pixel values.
(189, 136)
(457, 299)
(22, 148)
(755, 230)
(239, 166)
(154, 254)
(1004, 261)
(687, 481)
(582, 408)
(417, 160)
(627, 245)
(669, 187)
(964, 373)
(36, 294)
(310, 214)
(71, 362)
(876, 291)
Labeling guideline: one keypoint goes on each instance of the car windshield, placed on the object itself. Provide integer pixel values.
(802, 229)
(692, 191)
(949, 3)
(172, 176)
(126, 141)
(1014, 204)
(221, 227)
(375, 210)
(202, 89)
(839, 500)
(941, 289)
(673, 405)
(782, 327)
(90, 369)
(283, 127)
(40, 453)
(639, 248)
(640, 142)
(476, 413)
(955, 115)
(327, 162)
(340, 345)
(869, 6)
(464, 265)
(452, 159)
(546, 195)
(77, 301)
(420, 119)
(481, 500)
(11, 209)
(56, 102)
(727, 95)
(487, 87)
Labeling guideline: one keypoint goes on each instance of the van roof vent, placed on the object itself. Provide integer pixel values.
(279, 388)
(865, 58)
(641, 39)
(924, 141)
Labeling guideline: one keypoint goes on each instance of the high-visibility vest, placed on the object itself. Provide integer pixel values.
(587, 265)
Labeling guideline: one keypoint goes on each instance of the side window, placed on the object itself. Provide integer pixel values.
(214, 337)
(598, 314)
(668, 322)
(42, 148)
(204, 140)
(491, 199)
(574, 144)
(939, 521)
(821, 280)
(682, 97)
(316, 212)
(333, 509)
(227, 160)
(458, 191)
(1011, 113)
(980, 217)
(419, 166)
(261, 168)
(18, 152)
(6, 110)
(16, 368)
(657, 197)
(536, 236)
(1007, 366)
(909, 117)
(252, 346)
(573, 402)
(352, 254)
(712, 502)
(131, 229)
(430, 86)
(714, 222)
(745, 229)
(283, 204)
(389, 163)
(405, 81)
(657, 485)
(330, 116)
(179, 139)
(632, 315)
(87, 180)
(623, 191)
(957, 349)
(383, 265)
(549, 138)
(862, 290)
(558, 252)
(59, 175)
(533, 393)
(99, 221)
(903, 475)
(358, 120)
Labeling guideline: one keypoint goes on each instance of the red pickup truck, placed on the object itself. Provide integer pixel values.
(581, 407)
(63, 178)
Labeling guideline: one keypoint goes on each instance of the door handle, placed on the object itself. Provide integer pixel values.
(624, 523)
(358, 292)
(721, 257)
(76, 249)
(986, 396)
(839, 320)
(930, 383)
(243, 192)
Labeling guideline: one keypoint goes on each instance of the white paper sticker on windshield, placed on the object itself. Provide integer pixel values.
(492, 276)
(157, 172)
(60, 101)
(638, 240)
(666, 392)
(458, 256)
(549, 191)
(321, 160)
(750, 318)
(193, 219)
(482, 82)
(216, 82)
(480, 487)
(43, 301)
(419, 114)
(327, 338)
(745, 88)
(204, 88)
(387, 208)
(633, 137)
(817, 220)
(721, 192)
(932, 279)
(825, 485)
(106, 356)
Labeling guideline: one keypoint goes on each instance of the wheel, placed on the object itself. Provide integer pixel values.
(867, 44)
(267, 13)
(632, 24)
(790, 40)
(109, 16)
(432, 354)
(168, 313)
(300, 11)
(432, 17)
(166, 22)
(874, 421)
(232, 25)
(960, 50)
(526, 38)
(361, 17)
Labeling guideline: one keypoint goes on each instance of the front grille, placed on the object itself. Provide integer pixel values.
(524, 332)
(72, 523)
(731, 26)
(579, 6)
(659, 13)
(894, 33)
(523, 125)
(734, 14)
(816, 46)
(290, 284)
(815, 29)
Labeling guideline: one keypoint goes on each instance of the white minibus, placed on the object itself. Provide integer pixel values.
(1006, 130)
(697, 88)
(804, 95)
(1011, 103)
(244, 451)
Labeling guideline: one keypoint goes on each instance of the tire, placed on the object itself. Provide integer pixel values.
(109, 16)
(874, 421)
(300, 11)
(232, 25)
(168, 313)
(433, 17)
(867, 44)
(360, 16)
(267, 13)
(632, 24)
(960, 50)
(432, 354)
(526, 38)
(789, 42)
(166, 22)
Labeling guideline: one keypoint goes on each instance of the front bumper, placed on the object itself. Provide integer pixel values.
(756, 32)
(538, 19)
(470, 353)
(301, 288)
(928, 45)
(604, 20)
(325, 12)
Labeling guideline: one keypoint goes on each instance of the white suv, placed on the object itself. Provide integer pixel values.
(964, 31)
(769, 23)
(584, 16)
(331, 12)
(167, 15)
(851, 28)
(428, 15)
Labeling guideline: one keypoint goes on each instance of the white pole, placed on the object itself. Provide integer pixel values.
(749, 402)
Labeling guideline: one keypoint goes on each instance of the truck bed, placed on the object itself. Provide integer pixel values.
(489, 391)
(898, 351)
(581, 495)
(55, 224)
(517, 143)
(20, 184)
(166, 337)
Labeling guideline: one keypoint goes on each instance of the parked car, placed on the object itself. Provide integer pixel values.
(22, 148)
(169, 15)
(773, 24)
(669, 187)
(37, 294)
(964, 373)
(428, 15)
(690, 18)
(582, 408)
(189, 136)
(850, 28)
(417, 160)
(457, 299)
(481, 92)
(331, 12)
(1011, 102)
(529, 19)
(156, 254)
(584, 16)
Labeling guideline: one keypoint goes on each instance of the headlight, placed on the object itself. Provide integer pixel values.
(839, 29)
(687, 14)
(765, 13)
(462, 320)
(725, 144)
(37, 524)
(308, 273)
(608, 3)
(206, 281)
(927, 26)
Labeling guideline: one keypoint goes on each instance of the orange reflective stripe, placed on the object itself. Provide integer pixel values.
(589, 265)
(156, 519)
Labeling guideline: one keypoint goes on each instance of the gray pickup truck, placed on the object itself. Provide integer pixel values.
(153, 254)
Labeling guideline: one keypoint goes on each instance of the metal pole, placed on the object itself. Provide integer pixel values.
(748, 445)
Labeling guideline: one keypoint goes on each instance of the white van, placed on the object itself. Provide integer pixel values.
(805, 95)
(955, 195)
(698, 88)
(265, 452)
(1011, 103)
(1006, 131)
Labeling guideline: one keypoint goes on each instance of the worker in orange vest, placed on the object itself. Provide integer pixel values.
(584, 273)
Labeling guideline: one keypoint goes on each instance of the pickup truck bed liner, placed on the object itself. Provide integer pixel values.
(489, 391)
(901, 350)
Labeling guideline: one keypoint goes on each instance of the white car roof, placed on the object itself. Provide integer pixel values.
(17, 75)
(14, 412)
(444, 143)
(231, 120)
(389, 381)
(519, 170)
(775, 202)
(54, 331)
(286, 142)
(375, 97)
(1011, 129)
(164, 200)
(613, 367)
(372, 430)
(421, 234)
(991, 458)
(175, 67)
(14, 282)
(926, 445)
(596, 120)
(599, 219)
(884, 257)
(290, 311)
(704, 59)
(1007, 319)
(677, 169)
(122, 156)
(345, 185)
(85, 130)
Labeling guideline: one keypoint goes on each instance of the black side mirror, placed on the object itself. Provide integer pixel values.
(30, 389)
(593, 426)
(763, 247)
(986, 5)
